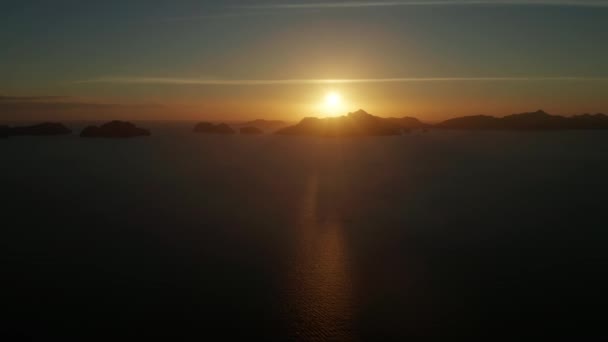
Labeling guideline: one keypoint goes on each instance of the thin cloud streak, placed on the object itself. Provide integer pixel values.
(276, 9)
(364, 4)
(228, 82)
(238, 13)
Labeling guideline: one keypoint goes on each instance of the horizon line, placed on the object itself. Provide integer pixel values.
(268, 82)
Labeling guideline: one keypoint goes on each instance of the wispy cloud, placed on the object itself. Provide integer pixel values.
(276, 9)
(364, 4)
(268, 82)
(236, 13)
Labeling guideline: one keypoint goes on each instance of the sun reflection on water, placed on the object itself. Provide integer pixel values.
(320, 293)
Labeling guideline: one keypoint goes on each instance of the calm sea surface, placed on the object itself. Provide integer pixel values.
(447, 234)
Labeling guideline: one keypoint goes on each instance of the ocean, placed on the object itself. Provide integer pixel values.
(496, 235)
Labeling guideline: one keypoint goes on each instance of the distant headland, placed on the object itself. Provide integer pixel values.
(361, 123)
(538, 120)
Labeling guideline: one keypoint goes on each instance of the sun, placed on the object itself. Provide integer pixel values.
(333, 100)
(332, 104)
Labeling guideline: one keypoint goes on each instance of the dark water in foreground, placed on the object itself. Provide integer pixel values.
(497, 235)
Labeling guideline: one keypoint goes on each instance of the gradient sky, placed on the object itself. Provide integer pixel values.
(232, 60)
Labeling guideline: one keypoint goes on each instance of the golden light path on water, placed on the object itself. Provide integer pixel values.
(320, 284)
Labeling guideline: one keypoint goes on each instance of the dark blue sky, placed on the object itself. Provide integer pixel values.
(246, 58)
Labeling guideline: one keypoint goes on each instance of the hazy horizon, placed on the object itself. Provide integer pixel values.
(126, 117)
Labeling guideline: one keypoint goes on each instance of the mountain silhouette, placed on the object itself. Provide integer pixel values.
(209, 128)
(538, 120)
(359, 123)
(114, 129)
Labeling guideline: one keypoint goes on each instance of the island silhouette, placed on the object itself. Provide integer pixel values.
(114, 129)
(264, 125)
(210, 128)
(43, 129)
(5, 131)
(250, 130)
(354, 124)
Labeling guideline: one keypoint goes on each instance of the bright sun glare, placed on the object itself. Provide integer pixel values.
(333, 100)
(333, 104)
